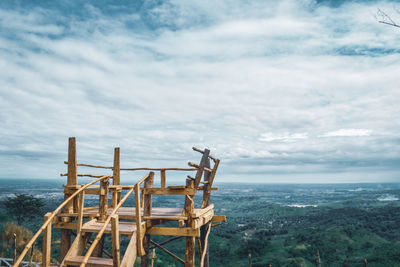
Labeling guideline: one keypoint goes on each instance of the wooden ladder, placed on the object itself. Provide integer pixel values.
(74, 256)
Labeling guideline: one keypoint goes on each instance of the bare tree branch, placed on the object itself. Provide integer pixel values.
(384, 18)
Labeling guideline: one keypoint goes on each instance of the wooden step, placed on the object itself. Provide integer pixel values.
(125, 228)
(93, 261)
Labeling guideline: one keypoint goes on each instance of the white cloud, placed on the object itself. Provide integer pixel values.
(348, 133)
(256, 81)
(286, 137)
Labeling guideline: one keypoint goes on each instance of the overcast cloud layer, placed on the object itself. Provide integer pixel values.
(281, 91)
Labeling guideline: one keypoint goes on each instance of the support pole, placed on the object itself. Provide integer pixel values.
(103, 199)
(116, 198)
(115, 241)
(46, 253)
(69, 208)
(147, 207)
(190, 240)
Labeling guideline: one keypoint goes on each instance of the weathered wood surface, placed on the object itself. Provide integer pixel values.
(92, 262)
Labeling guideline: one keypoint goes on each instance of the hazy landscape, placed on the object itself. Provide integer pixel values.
(278, 224)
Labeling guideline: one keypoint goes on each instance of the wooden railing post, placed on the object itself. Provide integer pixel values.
(147, 208)
(139, 230)
(190, 240)
(103, 199)
(69, 208)
(116, 197)
(205, 229)
(80, 213)
(46, 252)
(115, 241)
(162, 172)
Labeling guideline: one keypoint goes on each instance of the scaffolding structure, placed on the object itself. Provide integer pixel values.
(84, 227)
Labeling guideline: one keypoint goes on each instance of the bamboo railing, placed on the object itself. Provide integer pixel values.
(114, 211)
(50, 218)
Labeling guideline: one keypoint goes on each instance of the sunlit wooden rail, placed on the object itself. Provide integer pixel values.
(137, 222)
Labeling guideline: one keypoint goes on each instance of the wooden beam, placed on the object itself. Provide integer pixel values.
(115, 241)
(130, 253)
(218, 218)
(174, 231)
(169, 191)
(46, 252)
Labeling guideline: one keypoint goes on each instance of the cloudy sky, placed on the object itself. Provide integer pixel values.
(280, 91)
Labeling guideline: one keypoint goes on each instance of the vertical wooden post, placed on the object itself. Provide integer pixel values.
(139, 229)
(190, 240)
(46, 254)
(163, 178)
(318, 259)
(69, 208)
(115, 241)
(80, 213)
(103, 199)
(153, 257)
(65, 242)
(116, 198)
(15, 248)
(205, 229)
(103, 207)
(72, 172)
(147, 207)
(209, 178)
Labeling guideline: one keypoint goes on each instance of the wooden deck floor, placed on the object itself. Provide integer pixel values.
(174, 214)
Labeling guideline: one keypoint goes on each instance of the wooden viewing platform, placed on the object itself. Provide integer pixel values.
(88, 225)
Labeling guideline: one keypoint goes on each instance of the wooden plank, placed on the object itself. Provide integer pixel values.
(66, 226)
(130, 253)
(218, 218)
(169, 191)
(46, 256)
(184, 231)
(203, 219)
(92, 262)
(125, 228)
(198, 212)
(77, 246)
(115, 241)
